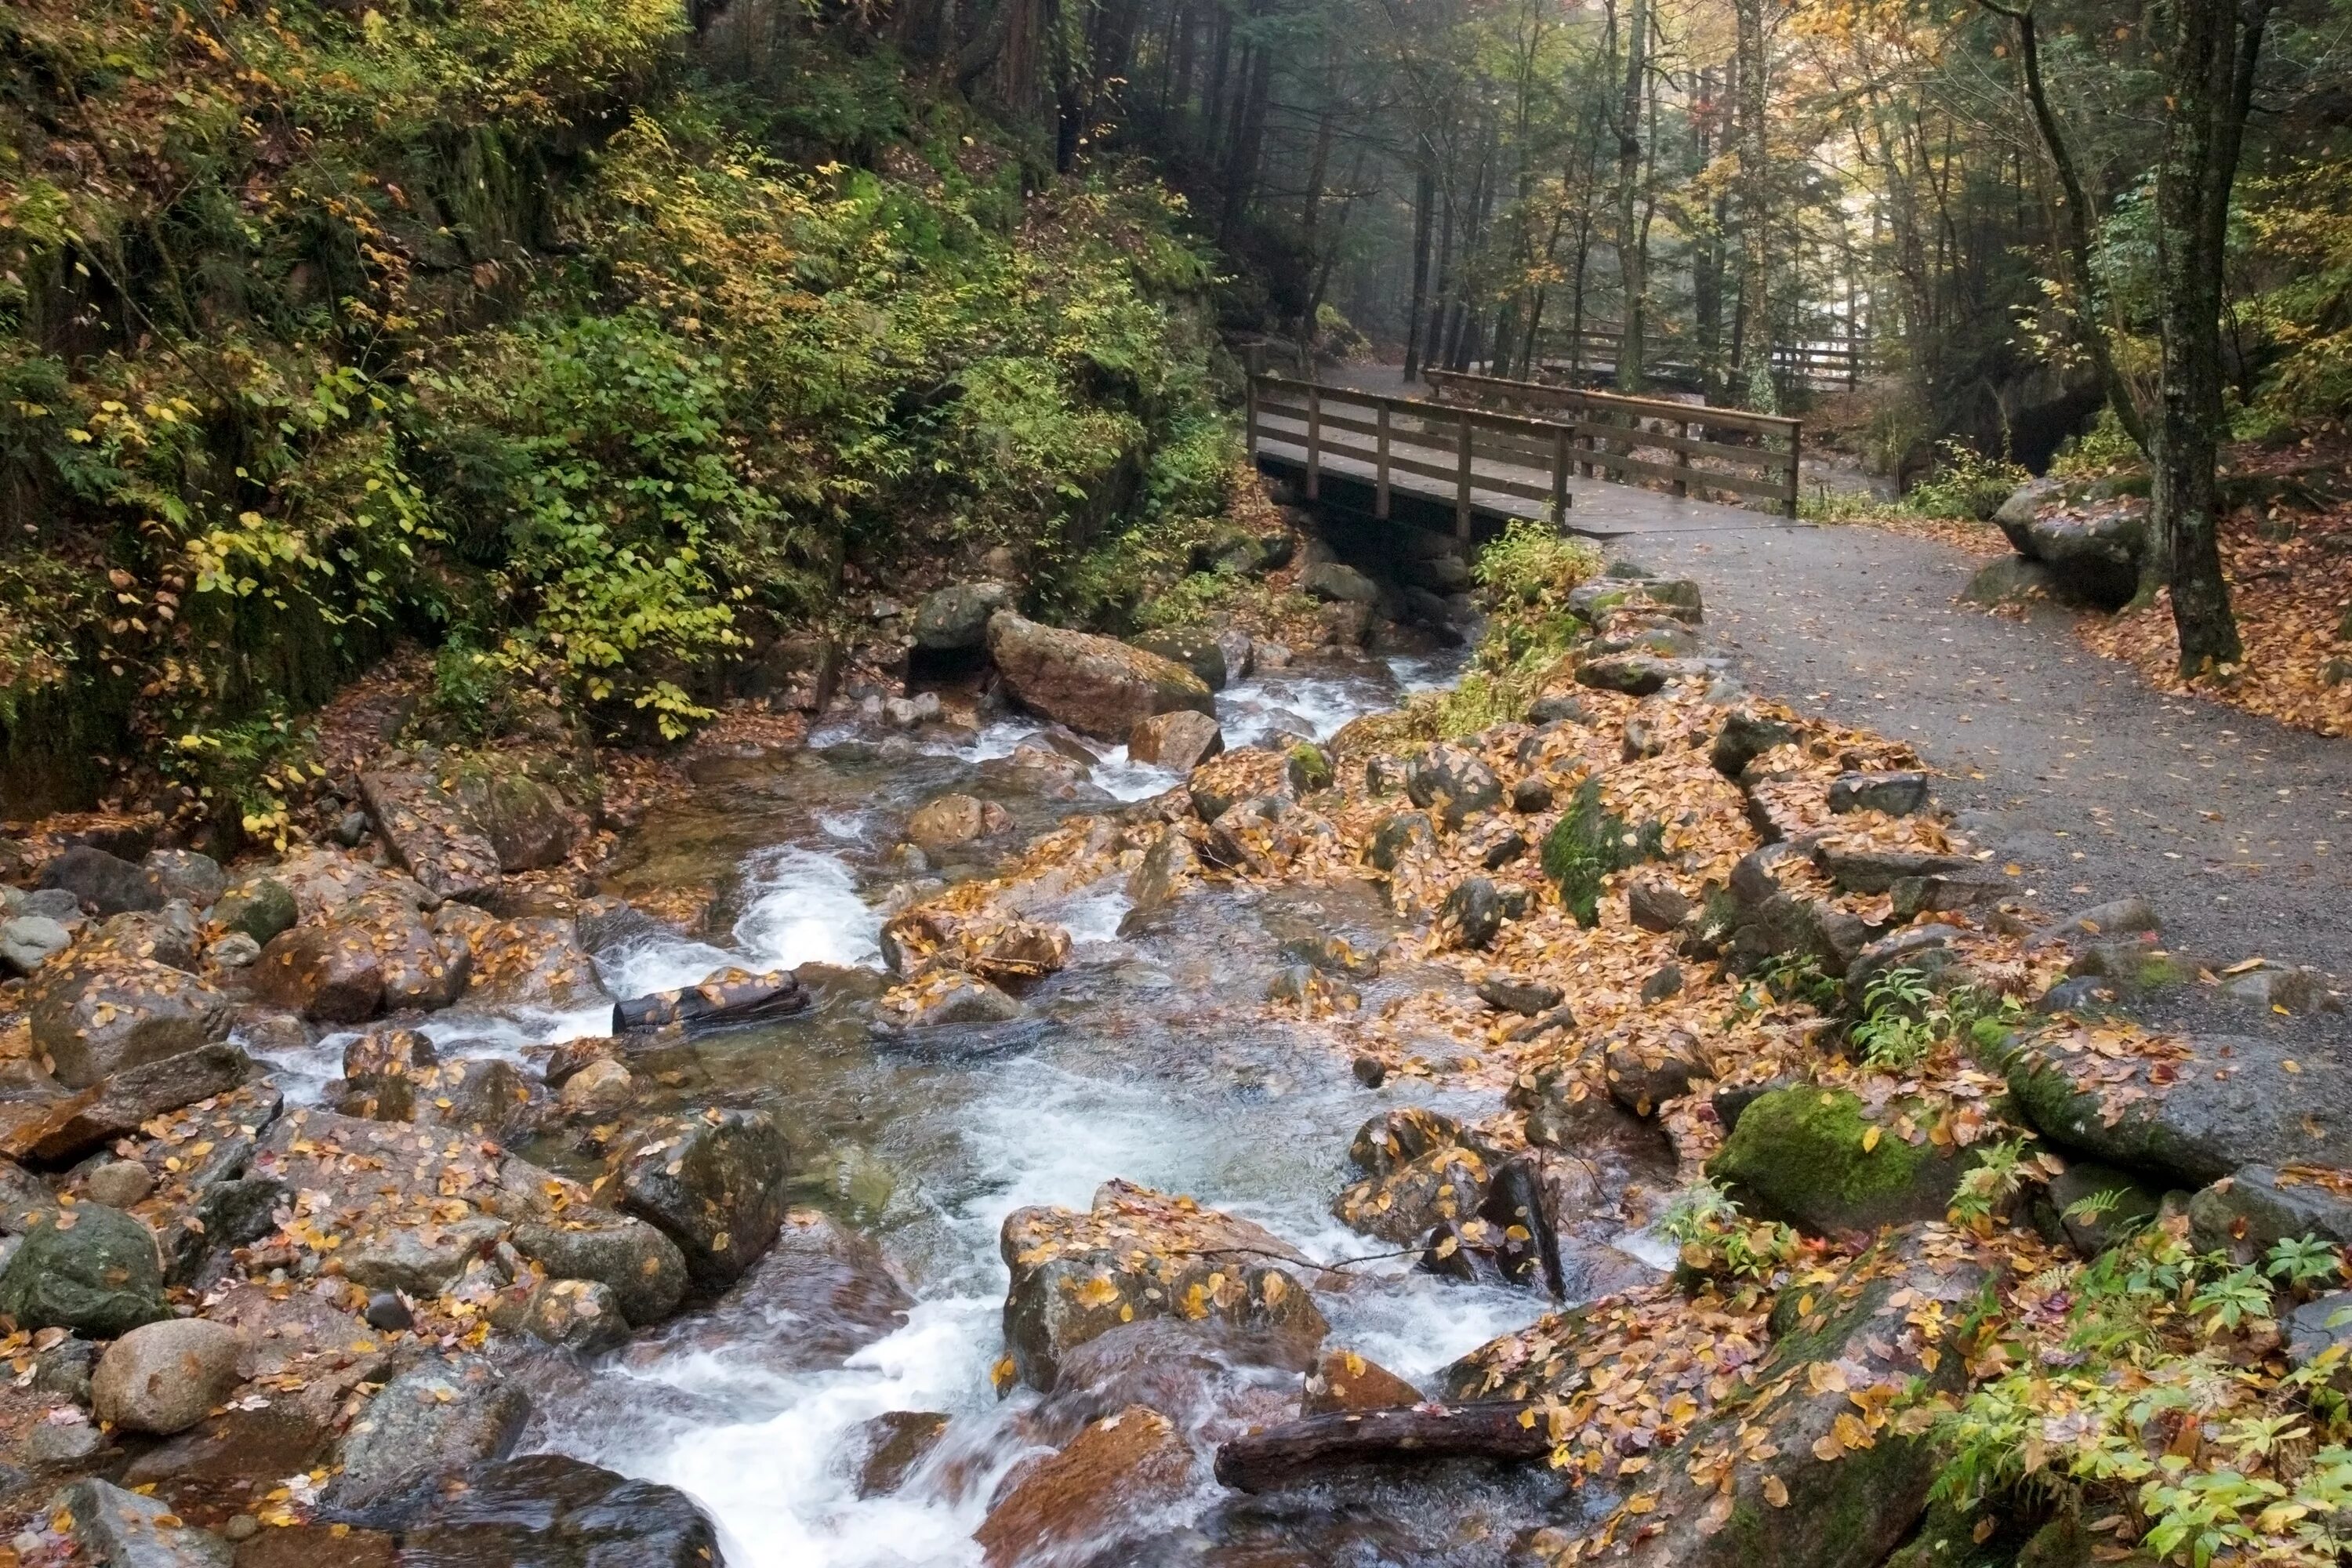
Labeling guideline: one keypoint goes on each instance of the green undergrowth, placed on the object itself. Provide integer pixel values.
(515, 329)
(2143, 1397)
(1525, 578)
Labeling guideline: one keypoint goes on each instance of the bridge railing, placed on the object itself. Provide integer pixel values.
(1461, 447)
(1761, 460)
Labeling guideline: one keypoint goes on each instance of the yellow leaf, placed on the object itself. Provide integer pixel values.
(1098, 1292)
(1776, 1491)
(1869, 1138)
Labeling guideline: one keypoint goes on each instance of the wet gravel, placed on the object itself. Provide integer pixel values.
(2093, 786)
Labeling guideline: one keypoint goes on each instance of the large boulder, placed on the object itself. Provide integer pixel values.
(431, 837)
(259, 907)
(377, 954)
(27, 941)
(549, 1511)
(528, 824)
(1808, 1155)
(1417, 1176)
(954, 619)
(1197, 649)
(122, 1528)
(643, 1267)
(89, 1269)
(429, 1422)
(2250, 1211)
(1096, 685)
(2093, 552)
(1453, 782)
(97, 1014)
(2186, 1110)
(164, 1377)
(1335, 582)
(119, 1105)
(1181, 740)
(534, 961)
(1142, 1254)
(188, 875)
(714, 1185)
(102, 882)
(952, 819)
(1091, 1492)
(1829, 1475)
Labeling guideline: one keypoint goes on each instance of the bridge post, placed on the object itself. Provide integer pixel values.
(1560, 478)
(1249, 431)
(1462, 483)
(1682, 460)
(1313, 441)
(1796, 441)
(1381, 475)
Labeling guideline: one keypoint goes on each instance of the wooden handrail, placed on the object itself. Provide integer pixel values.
(1315, 405)
(1779, 471)
(1641, 407)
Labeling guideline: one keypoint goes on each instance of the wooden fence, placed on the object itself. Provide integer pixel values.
(1480, 460)
(1610, 428)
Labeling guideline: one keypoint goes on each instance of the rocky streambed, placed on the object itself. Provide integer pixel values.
(1163, 1126)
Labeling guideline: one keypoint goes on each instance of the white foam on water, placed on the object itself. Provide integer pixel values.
(1651, 1247)
(783, 1488)
(808, 911)
(1092, 915)
(849, 826)
(1423, 672)
(1126, 780)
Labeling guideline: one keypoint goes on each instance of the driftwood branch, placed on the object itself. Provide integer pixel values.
(1488, 1429)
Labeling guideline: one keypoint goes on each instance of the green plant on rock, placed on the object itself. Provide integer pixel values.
(1588, 844)
(1967, 486)
(1714, 1238)
(1799, 976)
(2000, 1172)
(1528, 575)
(2143, 1396)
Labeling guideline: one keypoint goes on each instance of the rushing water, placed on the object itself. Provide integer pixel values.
(1145, 1058)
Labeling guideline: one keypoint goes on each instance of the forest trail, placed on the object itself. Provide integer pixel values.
(2238, 828)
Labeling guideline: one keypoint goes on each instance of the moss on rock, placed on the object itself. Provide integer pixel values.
(1798, 1154)
(1587, 843)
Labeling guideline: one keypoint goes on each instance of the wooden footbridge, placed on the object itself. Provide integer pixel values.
(1491, 449)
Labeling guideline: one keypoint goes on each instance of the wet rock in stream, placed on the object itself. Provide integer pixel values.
(714, 1185)
(1142, 1254)
(546, 1510)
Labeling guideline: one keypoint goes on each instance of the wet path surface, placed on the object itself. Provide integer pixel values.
(2238, 828)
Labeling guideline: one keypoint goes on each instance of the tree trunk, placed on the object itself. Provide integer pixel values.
(2211, 56)
(1752, 350)
(1297, 1450)
(1633, 261)
(1424, 199)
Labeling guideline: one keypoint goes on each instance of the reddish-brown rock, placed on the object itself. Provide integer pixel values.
(1116, 1469)
(1096, 686)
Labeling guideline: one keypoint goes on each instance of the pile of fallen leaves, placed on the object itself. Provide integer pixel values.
(2293, 599)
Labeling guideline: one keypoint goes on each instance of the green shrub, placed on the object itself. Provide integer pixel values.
(1967, 486)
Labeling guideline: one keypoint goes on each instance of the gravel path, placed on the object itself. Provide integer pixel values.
(2240, 830)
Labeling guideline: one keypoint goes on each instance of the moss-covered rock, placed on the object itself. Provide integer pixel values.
(2185, 1112)
(1814, 1158)
(1812, 1465)
(1587, 843)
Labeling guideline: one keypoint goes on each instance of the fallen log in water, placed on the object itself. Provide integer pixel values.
(730, 996)
(1488, 1429)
